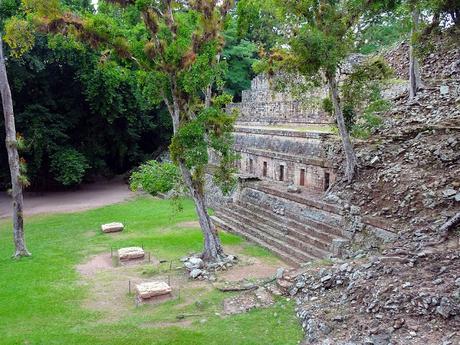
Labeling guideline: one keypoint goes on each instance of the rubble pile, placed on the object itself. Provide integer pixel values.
(442, 61)
(411, 298)
(200, 270)
(406, 292)
(409, 171)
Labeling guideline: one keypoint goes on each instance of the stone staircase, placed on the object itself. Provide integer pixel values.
(293, 237)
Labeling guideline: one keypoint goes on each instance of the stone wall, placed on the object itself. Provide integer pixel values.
(287, 156)
(261, 104)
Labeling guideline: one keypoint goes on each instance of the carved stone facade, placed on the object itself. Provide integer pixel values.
(278, 140)
(283, 173)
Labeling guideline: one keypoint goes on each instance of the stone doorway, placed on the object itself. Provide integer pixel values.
(281, 172)
(327, 181)
(264, 169)
(302, 177)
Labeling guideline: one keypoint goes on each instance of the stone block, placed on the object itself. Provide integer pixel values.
(152, 289)
(131, 253)
(112, 227)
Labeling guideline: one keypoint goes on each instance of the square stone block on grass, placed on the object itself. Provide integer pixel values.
(152, 289)
(112, 227)
(131, 253)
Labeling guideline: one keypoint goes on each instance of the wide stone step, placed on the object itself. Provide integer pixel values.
(306, 245)
(280, 241)
(310, 228)
(222, 224)
(301, 236)
(306, 203)
(304, 199)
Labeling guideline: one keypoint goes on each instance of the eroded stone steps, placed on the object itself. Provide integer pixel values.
(302, 237)
(320, 232)
(284, 247)
(327, 216)
(305, 199)
(287, 244)
(306, 245)
(222, 224)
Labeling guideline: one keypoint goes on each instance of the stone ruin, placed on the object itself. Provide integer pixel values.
(283, 174)
(112, 227)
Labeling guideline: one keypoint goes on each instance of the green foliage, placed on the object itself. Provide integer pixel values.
(19, 36)
(44, 8)
(383, 31)
(257, 22)
(8, 8)
(363, 85)
(362, 98)
(327, 106)
(349, 115)
(69, 166)
(240, 54)
(154, 177)
(366, 125)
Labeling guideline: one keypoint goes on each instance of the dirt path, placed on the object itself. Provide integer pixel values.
(87, 197)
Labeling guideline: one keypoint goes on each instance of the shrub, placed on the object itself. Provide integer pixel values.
(327, 105)
(69, 166)
(154, 177)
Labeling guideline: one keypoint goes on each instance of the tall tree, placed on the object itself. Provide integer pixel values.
(175, 49)
(13, 159)
(318, 40)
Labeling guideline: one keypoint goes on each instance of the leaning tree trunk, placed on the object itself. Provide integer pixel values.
(213, 251)
(13, 159)
(415, 81)
(351, 163)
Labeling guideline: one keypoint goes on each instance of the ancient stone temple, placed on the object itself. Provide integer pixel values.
(279, 139)
(283, 174)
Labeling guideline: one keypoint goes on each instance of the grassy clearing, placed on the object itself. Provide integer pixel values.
(42, 298)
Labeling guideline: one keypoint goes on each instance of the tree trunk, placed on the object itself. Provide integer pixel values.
(13, 159)
(213, 251)
(415, 81)
(351, 163)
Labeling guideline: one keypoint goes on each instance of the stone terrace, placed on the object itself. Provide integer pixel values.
(282, 143)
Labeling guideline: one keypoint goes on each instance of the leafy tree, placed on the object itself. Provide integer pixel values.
(382, 30)
(57, 86)
(69, 166)
(175, 50)
(239, 54)
(258, 22)
(154, 177)
(319, 35)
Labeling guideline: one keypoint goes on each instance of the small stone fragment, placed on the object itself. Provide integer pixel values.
(131, 253)
(112, 227)
(152, 289)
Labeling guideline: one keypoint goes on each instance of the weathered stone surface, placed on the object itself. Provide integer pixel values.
(130, 253)
(152, 289)
(195, 273)
(112, 227)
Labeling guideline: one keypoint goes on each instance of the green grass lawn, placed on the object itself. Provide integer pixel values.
(42, 297)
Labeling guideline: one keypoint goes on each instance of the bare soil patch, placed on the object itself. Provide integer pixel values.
(85, 198)
(248, 300)
(256, 270)
(101, 262)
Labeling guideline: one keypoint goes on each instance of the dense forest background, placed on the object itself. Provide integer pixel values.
(82, 117)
